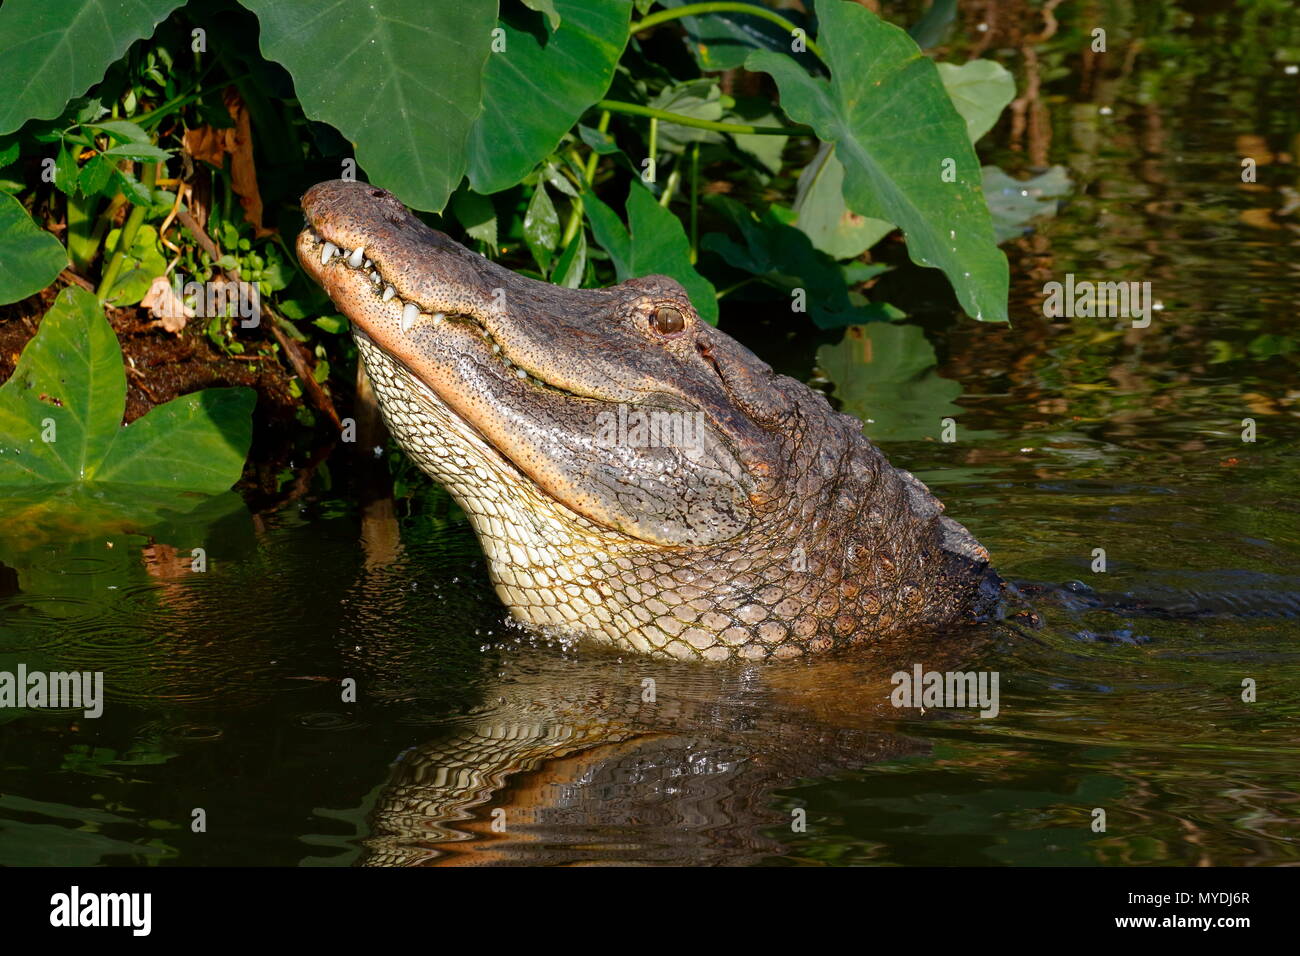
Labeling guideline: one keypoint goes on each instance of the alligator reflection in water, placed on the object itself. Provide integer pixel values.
(589, 768)
(601, 757)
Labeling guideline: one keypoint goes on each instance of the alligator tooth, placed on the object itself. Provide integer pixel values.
(410, 312)
(438, 317)
(521, 373)
(374, 277)
(496, 350)
(357, 257)
(389, 292)
(369, 263)
(327, 251)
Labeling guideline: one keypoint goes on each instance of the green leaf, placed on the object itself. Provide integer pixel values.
(535, 89)
(896, 132)
(333, 324)
(980, 90)
(30, 257)
(197, 442)
(541, 227)
(784, 257)
(65, 171)
(572, 264)
(70, 386)
(51, 52)
(477, 215)
(652, 243)
(124, 131)
(823, 215)
(142, 151)
(95, 175)
(402, 79)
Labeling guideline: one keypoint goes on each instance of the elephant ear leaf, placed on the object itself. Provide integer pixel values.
(61, 415)
(30, 257)
(905, 150)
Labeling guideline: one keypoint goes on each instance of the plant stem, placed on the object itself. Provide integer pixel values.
(670, 187)
(126, 237)
(80, 248)
(635, 109)
(695, 9)
(654, 147)
(695, 201)
(575, 207)
(732, 288)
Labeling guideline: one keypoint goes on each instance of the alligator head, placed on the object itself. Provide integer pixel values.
(633, 474)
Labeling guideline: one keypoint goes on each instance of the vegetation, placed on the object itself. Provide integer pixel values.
(745, 151)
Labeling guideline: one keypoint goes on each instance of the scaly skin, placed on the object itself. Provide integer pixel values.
(765, 526)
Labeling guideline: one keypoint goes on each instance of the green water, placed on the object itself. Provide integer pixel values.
(224, 688)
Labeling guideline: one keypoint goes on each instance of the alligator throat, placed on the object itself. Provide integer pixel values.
(634, 475)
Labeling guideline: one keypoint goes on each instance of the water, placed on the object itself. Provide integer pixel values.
(225, 688)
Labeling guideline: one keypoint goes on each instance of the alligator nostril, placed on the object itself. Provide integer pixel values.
(376, 193)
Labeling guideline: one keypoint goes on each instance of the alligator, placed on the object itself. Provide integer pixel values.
(635, 475)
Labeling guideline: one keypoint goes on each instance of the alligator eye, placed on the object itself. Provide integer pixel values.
(668, 321)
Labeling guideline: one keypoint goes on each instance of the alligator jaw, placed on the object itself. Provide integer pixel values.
(468, 331)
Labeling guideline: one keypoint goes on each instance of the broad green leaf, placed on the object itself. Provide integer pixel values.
(824, 216)
(69, 387)
(896, 132)
(537, 87)
(767, 150)
(980, 90)
(196, 442)
(653, 243)
(61, 415)
(30, 257)
(477, 215)
(784, 257)
(402, 79)
(884, 373)
(53, 50)
(541, 227)
(978, 93)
